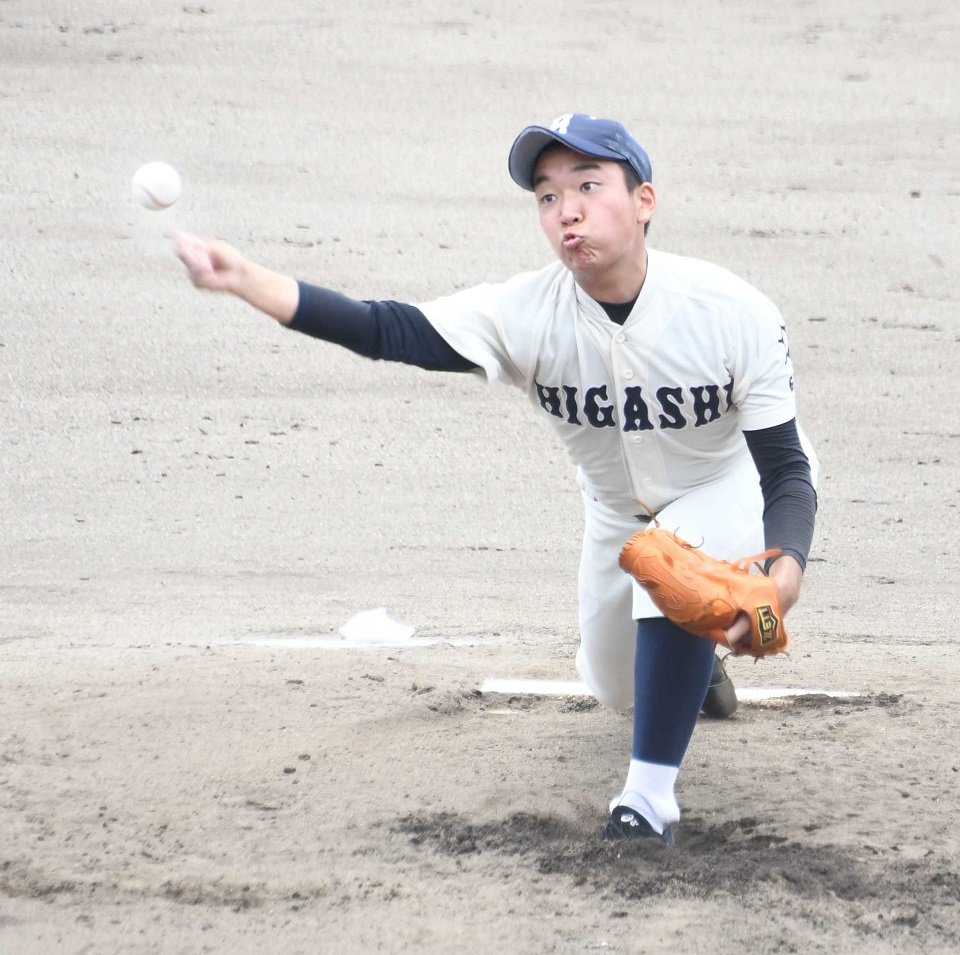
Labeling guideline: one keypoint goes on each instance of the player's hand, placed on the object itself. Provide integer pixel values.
(220, 267)
(211, 264)
(787, 574)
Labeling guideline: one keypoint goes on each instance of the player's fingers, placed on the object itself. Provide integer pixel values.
(738, 634)
(196, 256)
(184, 245)
(194, 253)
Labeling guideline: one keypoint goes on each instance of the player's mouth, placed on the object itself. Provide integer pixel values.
(572, 241)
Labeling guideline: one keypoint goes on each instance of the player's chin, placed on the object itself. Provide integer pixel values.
(580, 260)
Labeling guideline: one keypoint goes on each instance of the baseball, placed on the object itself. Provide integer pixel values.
(156, 186)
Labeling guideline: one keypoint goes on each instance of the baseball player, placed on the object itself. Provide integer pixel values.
(668, 380)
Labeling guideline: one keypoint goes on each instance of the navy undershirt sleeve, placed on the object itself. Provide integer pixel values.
(789, 498)
(390, 331)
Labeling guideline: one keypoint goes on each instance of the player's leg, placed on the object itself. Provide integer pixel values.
(672, 673)
(673, 668)
(605, 657)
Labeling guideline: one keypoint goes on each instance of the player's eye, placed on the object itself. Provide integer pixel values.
(546, 199)
(589, 186)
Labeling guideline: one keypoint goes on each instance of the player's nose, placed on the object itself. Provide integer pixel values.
(570, 211)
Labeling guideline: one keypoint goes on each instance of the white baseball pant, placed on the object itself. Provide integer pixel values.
(725, 518)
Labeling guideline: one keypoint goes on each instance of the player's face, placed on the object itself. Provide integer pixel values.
(593, 221)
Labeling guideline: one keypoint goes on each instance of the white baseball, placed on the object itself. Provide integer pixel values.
(156, 186)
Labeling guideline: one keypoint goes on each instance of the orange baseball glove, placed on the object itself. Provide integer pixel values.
(704, 595)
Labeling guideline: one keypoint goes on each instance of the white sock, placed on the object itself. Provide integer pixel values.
(649, 791)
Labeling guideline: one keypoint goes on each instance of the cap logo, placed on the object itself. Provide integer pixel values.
(560, 124)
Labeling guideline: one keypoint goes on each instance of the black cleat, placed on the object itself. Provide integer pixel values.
(627, 824)
(721, 699)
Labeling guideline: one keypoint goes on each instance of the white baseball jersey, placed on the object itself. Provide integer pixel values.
(650, 410)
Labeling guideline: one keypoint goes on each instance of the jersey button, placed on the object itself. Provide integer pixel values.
(638, 439)
(628, 374)
(621, 339)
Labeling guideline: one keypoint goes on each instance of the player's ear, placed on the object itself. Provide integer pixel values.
(645, 199)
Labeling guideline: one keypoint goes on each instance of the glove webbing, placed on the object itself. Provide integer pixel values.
(744, 562)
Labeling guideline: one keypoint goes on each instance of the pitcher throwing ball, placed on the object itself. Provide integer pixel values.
(667, 379)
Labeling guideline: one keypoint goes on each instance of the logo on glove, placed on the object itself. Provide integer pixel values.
(767, 623)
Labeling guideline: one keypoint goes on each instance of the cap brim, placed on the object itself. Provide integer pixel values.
(533, 140)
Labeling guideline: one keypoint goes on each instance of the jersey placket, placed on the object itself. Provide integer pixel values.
(637, 435)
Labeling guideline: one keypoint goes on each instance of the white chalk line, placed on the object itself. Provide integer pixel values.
(748, 694)
(505, 686)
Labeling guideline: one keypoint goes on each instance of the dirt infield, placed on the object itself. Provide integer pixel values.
(192, 497)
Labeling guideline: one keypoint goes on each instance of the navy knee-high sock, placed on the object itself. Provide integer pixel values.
(672, 672)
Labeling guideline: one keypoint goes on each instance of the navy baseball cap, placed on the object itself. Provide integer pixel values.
(590, 135)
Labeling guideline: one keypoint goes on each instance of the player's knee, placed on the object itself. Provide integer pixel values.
(618, 699)
(611, 687)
